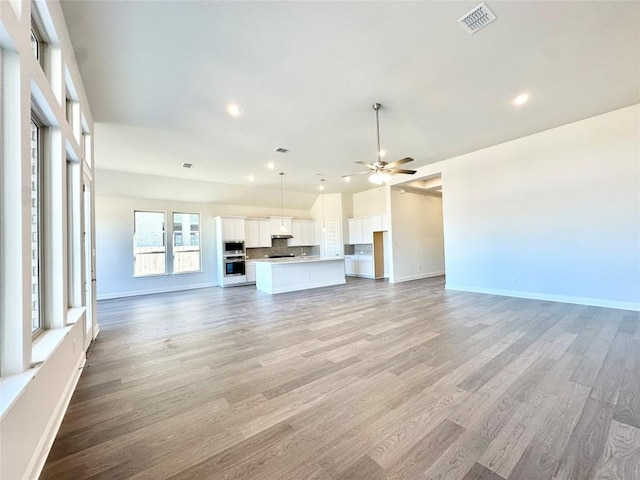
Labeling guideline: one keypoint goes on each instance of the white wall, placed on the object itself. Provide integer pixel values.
(370, 202)
(114, 244)
(416, 236)
(113, 183)
(553, 216)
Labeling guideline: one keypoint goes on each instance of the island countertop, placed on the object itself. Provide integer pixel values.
(305, 259)
(279, 275)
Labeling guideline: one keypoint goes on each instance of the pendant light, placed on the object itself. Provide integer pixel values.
(282, 230)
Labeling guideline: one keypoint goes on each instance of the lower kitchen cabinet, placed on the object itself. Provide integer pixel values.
(250, 271)
(358, 266)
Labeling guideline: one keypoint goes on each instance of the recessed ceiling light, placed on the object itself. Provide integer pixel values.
(521, 99)
(234, 110)
(251, 178)
(347, 179)
(271, 165)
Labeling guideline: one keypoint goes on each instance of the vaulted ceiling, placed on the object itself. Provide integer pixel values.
(160, 75)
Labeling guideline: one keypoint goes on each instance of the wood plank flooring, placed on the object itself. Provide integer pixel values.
(369, 380)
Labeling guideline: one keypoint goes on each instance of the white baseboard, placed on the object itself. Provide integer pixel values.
(415, 277)
(135, 293)
(46, 442)
(593, 302)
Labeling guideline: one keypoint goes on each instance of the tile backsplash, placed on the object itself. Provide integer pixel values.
(280, 247)
(365, 249)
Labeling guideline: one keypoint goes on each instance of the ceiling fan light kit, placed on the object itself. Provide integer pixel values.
(381, 171)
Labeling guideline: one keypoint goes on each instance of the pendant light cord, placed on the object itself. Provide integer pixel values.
(281, 202)
(376, 108)
(323, 224)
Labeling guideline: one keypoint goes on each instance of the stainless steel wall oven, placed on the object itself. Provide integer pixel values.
(234, 265)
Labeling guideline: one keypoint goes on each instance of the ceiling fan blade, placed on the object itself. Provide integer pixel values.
(400, 170)
(352, 174)
(397, 163)
(368, 165)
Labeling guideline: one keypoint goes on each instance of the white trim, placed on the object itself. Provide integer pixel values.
(135, 293)
(593, 302)
(34, 469)
(415, 277)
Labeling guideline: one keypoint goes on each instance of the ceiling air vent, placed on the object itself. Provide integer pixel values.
(187, 165)
(477, 18)
(281, 150)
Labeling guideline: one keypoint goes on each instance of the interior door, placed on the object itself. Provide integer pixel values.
(331, 236)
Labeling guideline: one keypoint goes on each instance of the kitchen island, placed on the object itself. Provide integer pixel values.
(281, 275)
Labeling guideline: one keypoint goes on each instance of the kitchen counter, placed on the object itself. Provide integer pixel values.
(279, 275)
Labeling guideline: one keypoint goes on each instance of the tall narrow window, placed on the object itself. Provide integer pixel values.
(36, 227)
(149, 250)
(186, 242)
(35, 44)
(38, 41)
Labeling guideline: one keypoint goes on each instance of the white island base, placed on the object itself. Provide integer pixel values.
(292, 274)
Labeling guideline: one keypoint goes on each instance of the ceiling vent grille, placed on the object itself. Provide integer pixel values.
(281, 150)
(187, 165)
(477, 18)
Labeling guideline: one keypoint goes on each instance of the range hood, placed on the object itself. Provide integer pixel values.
(283, 235)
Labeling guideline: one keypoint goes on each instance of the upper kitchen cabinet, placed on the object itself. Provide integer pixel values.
(379, 223)
(303, 232)
(361, 229)
(258, 233)
(367, 232)
(232, 228)
(355, 231)
(276, 222)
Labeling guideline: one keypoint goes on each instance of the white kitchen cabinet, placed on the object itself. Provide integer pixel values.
(351, 265)
(385, 222)
(355, 231)
(358, 266)
(376, 223)
(258, 233)
(277, 221)
(367, 232)
(250, 270)
(303, 232)
(232, 228)
(361, 229)
(365, 266)
(380, 223)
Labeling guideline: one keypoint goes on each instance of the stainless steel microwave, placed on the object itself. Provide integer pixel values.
(233, 248)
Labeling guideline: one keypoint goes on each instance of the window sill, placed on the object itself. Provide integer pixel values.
(151, 275)
(187, 273)
(12, 386)
(46, 344)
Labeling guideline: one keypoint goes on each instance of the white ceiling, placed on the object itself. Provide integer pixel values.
(159, 76)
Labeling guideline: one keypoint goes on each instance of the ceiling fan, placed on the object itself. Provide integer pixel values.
(381, 171)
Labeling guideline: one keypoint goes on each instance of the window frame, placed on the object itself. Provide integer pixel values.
(173, 244)
(38, 37)
(164, 241)
(39, 235)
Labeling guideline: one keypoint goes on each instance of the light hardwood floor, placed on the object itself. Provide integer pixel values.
(369, 380)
